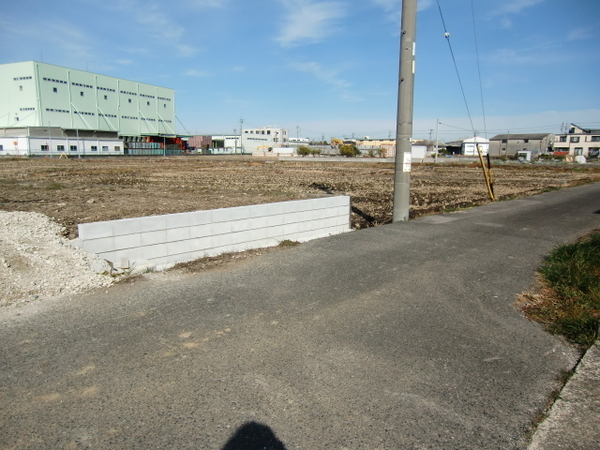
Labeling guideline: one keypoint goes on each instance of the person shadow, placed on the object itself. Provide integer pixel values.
(254, 436)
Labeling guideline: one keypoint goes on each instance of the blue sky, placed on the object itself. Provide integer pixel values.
(330, 67)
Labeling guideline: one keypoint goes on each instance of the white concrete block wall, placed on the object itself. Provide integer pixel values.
(169, 239)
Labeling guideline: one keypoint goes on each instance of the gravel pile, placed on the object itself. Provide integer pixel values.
(37, 262)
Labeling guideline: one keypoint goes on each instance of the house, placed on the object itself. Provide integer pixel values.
(578, 141)
(511, 144)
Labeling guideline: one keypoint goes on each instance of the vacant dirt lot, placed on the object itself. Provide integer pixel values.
(73, 191)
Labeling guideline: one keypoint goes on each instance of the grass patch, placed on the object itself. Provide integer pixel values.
(567, 302)
(54, 187)
(288, 243)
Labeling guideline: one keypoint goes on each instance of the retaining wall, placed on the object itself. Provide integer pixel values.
(168, 239)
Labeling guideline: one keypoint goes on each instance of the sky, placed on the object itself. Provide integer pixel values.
(329, 68)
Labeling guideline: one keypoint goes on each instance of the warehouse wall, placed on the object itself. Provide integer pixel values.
(169, 239)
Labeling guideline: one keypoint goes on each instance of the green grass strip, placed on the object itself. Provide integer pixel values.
(573, 272)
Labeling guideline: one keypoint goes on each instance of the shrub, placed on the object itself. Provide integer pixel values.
(303, 151)
(349, 150)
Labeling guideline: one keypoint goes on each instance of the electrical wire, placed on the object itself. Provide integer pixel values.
(447, 36)
(479, 69)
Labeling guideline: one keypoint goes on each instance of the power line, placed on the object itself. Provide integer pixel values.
(447, 36)
(479, 70)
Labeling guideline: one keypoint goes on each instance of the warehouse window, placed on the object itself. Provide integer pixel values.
(106, 97)
(45, 147)
(20, 88)
(73, 148)
(81, 94)
(105, 148)
(117, 148)
(60, 147)
(129, 100)
(1, 147)
(54, 89)
(148, 103)
(94, 148)
(165, 105)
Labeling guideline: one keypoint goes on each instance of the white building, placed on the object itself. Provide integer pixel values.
(36, 97)
(469, 146)
(55, 141)
(226, 145)
(261, 139)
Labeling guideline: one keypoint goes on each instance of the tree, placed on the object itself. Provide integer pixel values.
(303, 150)
(349, 150)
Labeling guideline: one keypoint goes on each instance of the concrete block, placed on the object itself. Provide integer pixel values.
(199, 231)
(259, 210)
(154, 252)
(200, 218)
(153, 223)
(180, 220)
(240, 225)
(95, 230)
(127, 226)
(98, 245)
(200, 244)
(178, 234)
(220, 228)
(178, 247)
(153, 237)
(127, 241)
(221, 240)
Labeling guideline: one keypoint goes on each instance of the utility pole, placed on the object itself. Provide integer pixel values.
(404, 124)
(437, 129)
(241, 137)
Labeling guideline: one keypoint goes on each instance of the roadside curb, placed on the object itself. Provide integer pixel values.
(572, 422)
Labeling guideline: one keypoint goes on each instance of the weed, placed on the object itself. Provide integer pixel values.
(54, 187)
(288, 243)
(568, 302)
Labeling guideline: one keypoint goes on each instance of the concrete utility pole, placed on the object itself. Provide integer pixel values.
(241, 137)
(405, 111)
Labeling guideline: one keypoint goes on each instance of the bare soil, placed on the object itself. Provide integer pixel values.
(73, 191)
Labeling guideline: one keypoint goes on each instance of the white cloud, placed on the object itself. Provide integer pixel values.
(395, 5)
(515, 6)
(196, 73)
(579, 34)
(206, 3)
(157, 23)
(308, 21)
(329, 77)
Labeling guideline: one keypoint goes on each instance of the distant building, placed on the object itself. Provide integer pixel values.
(260, 139)
(39, 100)
(468, 146)
(511, 144)
(578, 141)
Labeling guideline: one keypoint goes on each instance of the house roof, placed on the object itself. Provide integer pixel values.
(513, 137)
(585, 130)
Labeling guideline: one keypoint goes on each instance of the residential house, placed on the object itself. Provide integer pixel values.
(578, 141)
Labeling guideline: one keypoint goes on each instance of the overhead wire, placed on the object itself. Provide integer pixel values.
(462, 89)
(479, 69)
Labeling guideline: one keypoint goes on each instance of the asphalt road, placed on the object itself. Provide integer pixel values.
(398, 337)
